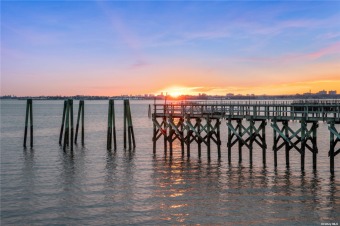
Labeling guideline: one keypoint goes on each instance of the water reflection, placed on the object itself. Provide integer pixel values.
(28, 182)
(190, 189)
(72, 184)
(183, 186)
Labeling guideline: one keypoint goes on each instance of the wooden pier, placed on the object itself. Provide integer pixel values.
(200, 122)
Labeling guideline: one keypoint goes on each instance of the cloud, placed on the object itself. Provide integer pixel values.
(331, 49)
(139, 64)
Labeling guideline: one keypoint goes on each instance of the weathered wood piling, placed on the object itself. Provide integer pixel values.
(80, 115)
(334, 139)
(67, 123)
(29, 117)
(128, 127)
(111, 127)
(250, 120)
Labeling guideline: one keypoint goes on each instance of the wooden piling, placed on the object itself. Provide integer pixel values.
(303, 143)
(149, 111)
(208, 121)
(229, 140)
(67, 126)
(239, 124)
(199, 143)
(72, 129)
(29, 117)
(275, 144)
(264, 144)
(111, 127)
(287, 146)
(165, 135)
(251, 140)
(334, 139)
(218, 136)
(80, 115)
(62, 122)
(128, 127)
(314, 140)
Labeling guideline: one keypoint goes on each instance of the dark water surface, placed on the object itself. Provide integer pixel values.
(46, 186)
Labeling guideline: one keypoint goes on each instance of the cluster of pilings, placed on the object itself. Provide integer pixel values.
(67, 124)
(246, 124)
(67, 136)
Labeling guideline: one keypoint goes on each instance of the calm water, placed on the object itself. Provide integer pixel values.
(46, 186)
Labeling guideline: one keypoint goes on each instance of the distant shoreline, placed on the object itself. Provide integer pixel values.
(185, 97)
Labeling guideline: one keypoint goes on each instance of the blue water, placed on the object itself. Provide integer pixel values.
(93, 186)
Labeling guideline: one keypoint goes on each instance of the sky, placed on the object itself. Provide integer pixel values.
(180, 47)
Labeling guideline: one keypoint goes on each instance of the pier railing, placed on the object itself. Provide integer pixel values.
(311, 111)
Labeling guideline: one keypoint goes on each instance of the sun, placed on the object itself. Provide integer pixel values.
(175, 93)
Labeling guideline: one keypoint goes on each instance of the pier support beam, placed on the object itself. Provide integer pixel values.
(176, 132)
(334, 139)
(246, 136)
(297, 140)
(159, 129)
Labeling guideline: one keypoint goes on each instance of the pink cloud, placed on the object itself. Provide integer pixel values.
(329, 50)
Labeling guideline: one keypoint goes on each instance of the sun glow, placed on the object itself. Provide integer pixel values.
(175, 92)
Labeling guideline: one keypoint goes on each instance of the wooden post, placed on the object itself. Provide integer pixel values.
(80, 114)
(109, 126)
(154, 139)
(314, 140)
(128, 127)
(303, 143)
(182, 135)
(229, 141)
(199, 145)
(149, 111)
(332, 148)
(67, 125)
(29, 111)
(125, 124)
(208, 136)
(287, 147)
(71, 115)
(264, 147)
(251, 140)
(165, 135)
(62, 122)
(275, 144)
(189, 134)
(218, 135)
(171, 133)
(131, 125)
(239, 122)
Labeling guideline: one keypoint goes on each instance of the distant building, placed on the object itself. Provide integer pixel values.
(230, 95)
(332, 92)
(322, 92)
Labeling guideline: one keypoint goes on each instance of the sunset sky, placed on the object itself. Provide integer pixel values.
(190, 47)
